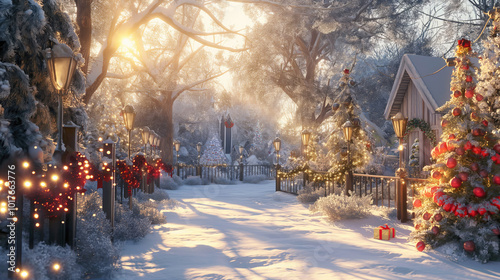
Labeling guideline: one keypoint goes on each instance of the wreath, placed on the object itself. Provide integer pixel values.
(422, 125)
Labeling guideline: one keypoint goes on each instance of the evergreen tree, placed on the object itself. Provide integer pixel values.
(414, 161)
(213, 153)
(345, 109)
(257, 138)
(460, 204)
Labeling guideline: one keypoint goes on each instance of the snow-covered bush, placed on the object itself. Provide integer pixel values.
(149, 209)
(130, 225)
(193, 181)
(224, 181)
(157, 195)
(254, 179)
(339, 207)
(168, 183)
(309, 194)
(96, 253)
(41, 259)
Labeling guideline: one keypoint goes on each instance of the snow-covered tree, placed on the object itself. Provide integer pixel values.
(346, 109)
(213, 153)
(414, 161)
(460, 206)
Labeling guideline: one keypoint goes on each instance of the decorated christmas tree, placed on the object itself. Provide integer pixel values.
(459, 206)
(414, 161)
(213, 153)
(346, 109)
(490, 65)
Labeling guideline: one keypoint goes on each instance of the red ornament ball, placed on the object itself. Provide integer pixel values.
(474, 116)
(451, 163)
(463, 176)
(479, 192)
(469, 246)
(496, 179)
(456, 112)
(468, 78)
(452, 136)
(436, 230)
(417, 203)
(475, 166)
(481, 211)
(479, 97)
(483, 173)
(465, 67)
(417, 226)
(420, 246)
(460, 151)
(438, 217)
(457, 93)
(496, 231)
(455, 182)
(426, 216)
(445, 123)
(469, 93)
(485, 122)
(436, 175)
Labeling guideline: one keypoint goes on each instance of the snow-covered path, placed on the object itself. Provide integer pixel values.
(248, 231)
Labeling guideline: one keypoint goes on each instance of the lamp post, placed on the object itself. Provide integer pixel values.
(177, 146)
(128, 114)
(198, 149)
(347, 128)
(152, 140)
(399, 122)
(157, 144)
(305, 141)
(61, 63)
(277, 147)
(241, 149)
(145, 138)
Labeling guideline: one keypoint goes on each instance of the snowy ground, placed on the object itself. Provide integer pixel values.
(248, 231)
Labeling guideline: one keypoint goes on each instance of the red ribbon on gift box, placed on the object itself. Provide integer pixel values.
(381, 228)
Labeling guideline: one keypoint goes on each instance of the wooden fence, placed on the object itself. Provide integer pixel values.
(227, 172)
(382, 188)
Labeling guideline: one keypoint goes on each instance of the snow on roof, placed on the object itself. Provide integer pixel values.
(421, 71)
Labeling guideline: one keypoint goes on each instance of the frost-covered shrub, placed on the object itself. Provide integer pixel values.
(96, 253)
(41, 259)
(168, 183)
(178, 180)
(193, 181)
(130, 225)
(309, 194)
(254, 179)
(149, 209)
(157, 195)
(339, 207)
(224, 181)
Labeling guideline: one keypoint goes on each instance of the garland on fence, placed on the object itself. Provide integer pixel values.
(422, 125)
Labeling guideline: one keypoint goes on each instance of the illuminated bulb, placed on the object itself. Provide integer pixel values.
(100, 139)
(14, 219)
(33, 172)
(43, 185)
(55, 178)
(66, 185)
(400, 148)
(65, 209)
(27, 184)
(65, 167)
(24, 274)
(35, 216)
(56, 267)
(26, 164)
(37, 225)
(101, 150)
(3, 210)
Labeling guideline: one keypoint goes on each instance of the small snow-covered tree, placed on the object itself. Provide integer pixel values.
(347, 109)
(213, 154)
(414, 161)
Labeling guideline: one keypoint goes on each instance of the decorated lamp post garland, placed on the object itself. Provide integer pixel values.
(461, 203)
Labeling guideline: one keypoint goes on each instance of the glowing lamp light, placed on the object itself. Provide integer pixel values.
(400, 148)
(277, 144)
(43, 185)
(24, 274)
(399, 122)
(56, 267)
(305, 137)
(26, 164)
(61, 63)
(35, 216)
(54, 178)
(198, 147)
(347, 128)
(177, 145)
(99, 139)
(37, 225)
(3, 210)
(27, 184)
(145, 134)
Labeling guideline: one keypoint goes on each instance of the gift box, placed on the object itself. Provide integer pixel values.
(384, 232)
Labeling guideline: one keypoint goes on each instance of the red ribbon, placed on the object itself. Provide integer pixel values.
(384, 227)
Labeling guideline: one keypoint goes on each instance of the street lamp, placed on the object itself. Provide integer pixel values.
(277, 147)
(145, 138)
(241, 149)
(177, 146)
(198, 148)
(62, 64)
(157, 143)
(347, 128)
(399, 122)
(305, 140)
(152, 140)
(128, 114)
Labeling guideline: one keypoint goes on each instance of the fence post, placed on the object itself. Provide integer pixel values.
(108, 188)
(278, 180)
(241, 171)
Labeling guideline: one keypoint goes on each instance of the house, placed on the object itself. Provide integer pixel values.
(422, 85)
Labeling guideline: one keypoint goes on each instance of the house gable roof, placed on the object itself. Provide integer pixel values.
(434, 88)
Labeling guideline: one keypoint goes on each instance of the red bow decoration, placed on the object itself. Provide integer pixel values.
(229, 125)
(346, 71)
(464, 43)
(385, 227)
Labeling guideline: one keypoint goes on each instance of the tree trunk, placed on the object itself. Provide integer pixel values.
(167, 153)
(84, 22)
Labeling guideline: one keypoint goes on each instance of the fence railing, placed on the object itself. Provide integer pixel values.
(382, 188)
(228, 172)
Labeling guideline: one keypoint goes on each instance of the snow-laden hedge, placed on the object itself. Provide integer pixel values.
(40, 262)
(169, 183)
(193, 181)
(340, 207)
(309, 194)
